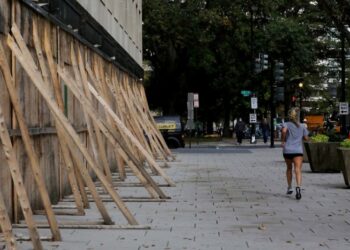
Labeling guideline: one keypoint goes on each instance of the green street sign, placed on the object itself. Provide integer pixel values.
(246, 92)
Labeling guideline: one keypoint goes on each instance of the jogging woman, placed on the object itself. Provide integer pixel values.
(293, 134)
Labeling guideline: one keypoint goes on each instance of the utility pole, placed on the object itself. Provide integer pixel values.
(343, 93)
(273, 112)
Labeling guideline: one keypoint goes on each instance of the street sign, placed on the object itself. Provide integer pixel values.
(195, 100)
(196, 104)
(246, 92)
(252, 118)
(343, 108)
(254, 102)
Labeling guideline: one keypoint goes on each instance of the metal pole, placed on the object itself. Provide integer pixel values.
(343, 93)
(272, 106)
(273, 114)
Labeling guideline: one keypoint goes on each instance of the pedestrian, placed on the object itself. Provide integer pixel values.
(293, 134)
(239, 128)
(265, 129)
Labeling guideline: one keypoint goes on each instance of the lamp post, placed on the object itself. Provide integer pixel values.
(301, 85)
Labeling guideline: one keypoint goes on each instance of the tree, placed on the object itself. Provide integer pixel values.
(208, 47)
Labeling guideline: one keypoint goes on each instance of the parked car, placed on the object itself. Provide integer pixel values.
(172, 130)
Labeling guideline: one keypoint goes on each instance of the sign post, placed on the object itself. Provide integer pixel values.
(190, 114)
(253, 118)
(343, 108)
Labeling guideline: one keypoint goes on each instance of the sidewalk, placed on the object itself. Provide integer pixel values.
(230, 197)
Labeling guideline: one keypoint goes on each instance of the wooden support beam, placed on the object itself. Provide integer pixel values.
(100, 144)
(141, 122)
(44, 71)
(28, 144)
(124, 130)
(143, 99)
(152, 131)
(106, 129)
(106, 199)
(97, 80)
(60, 129)
(25, 59)
(18, 183)
(134, 121)
(74, 177)
(139, 172)
(5, 226)
(91, 226)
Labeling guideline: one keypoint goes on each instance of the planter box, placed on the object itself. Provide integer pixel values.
(323, 156)
(344, 154)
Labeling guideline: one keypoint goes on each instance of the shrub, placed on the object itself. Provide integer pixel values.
(335, 137)
(345, 143)
(319, 138)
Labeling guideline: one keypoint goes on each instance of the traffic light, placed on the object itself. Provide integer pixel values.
(279, 94)
(261, 63)
(257, 68)
(264, 60)
(279, 72)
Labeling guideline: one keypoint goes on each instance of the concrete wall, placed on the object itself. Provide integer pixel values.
(122, 19)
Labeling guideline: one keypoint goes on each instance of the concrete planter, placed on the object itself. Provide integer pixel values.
(344, 154)
(305, 158)
(323, 156)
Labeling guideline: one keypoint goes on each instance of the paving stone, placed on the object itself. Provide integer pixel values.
(227, 197)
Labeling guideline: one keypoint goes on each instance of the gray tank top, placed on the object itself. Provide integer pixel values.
(294, 138)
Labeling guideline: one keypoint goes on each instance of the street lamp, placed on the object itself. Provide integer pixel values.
(301, 85)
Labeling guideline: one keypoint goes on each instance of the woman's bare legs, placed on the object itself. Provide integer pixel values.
(289, 173)
(298, 162)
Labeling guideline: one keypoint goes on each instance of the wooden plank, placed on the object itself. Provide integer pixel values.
(108, 131)
(5, 225)
(149, 128)
(100, 144)
(107, 199)
(134, 120)
(81, 186)
(124, 130)
(69, 166)
(139, 172)
(87, 178)
(142, 96)
(122, 127)
(98, 81)
(78, 81)
(33, 158)
(44, 71)
(5, 175)
(91, 227)
(124, 116)
(18, 183)
(26, 61)
(61, 134)
(137, 120)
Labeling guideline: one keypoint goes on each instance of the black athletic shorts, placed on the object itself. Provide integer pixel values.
(291, 156)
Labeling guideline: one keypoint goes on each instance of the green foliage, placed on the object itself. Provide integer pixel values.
(335, 137)
(345, 143)
(208, 46)
(319, 138)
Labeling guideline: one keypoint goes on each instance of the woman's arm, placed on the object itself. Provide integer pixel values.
(284, 136)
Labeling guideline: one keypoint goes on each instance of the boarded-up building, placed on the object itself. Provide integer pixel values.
(106, 31)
